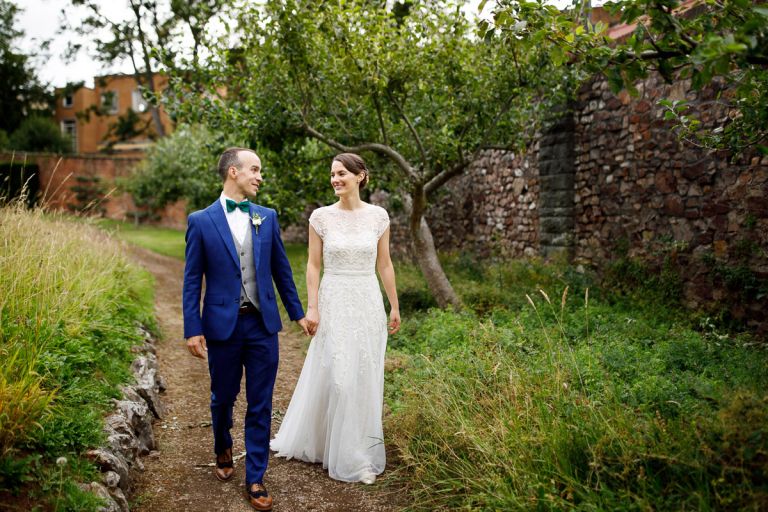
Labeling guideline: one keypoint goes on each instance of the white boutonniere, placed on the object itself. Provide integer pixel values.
(256, 220)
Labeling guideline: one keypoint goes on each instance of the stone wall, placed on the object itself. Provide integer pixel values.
(615, 181)
(638, 188)
(492, 208)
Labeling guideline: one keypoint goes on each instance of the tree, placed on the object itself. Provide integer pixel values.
(21, 94)
(412, 85)
(719, 43)
(154, 31)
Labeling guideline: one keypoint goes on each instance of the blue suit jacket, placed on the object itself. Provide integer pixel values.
(211, 253)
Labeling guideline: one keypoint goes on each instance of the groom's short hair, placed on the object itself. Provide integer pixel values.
(229, 159)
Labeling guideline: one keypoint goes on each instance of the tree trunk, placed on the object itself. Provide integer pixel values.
(426, 255)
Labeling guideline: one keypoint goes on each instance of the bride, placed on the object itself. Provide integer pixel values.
(335, 413)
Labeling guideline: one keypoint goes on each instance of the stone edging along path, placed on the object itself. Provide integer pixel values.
(129, 429)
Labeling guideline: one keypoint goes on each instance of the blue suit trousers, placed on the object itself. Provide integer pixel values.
(253, 349)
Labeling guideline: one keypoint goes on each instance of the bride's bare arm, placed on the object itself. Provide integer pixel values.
(313, 279)
(387, 273)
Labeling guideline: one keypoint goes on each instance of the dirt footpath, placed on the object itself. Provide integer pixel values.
(178, 477)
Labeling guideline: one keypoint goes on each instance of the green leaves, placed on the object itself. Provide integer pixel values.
(721, 44)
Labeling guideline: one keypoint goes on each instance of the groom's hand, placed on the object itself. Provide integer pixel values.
(196, 346)
(303, 324)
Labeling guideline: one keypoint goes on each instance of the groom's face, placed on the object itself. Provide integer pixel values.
(248, 176)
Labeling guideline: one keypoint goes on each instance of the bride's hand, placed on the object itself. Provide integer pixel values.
(313, 320)
(394, 321)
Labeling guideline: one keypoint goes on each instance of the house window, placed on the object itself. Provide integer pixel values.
(109, 102)
(67, 101)
(138, 103)
(69, 129)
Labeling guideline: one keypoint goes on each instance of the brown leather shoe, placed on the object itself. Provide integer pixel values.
(259, 497)
(224, 466)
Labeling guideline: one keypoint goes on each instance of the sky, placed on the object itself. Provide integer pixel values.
(41, 21)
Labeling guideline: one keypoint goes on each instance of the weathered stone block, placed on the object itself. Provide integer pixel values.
(556, 224)
(557, 182)
(562, 151)
(557, 199)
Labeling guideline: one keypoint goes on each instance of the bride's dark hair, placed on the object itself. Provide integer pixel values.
(354, 164)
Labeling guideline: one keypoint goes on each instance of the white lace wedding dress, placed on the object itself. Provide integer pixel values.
(335, 413)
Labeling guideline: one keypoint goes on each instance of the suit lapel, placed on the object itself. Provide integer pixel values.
(219, 219)
(255, 234)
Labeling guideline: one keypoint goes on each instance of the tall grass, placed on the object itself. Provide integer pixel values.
(579, 402)
(70, 304)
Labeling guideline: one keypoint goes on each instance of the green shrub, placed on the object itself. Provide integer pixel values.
(39, 134)
(180, 166)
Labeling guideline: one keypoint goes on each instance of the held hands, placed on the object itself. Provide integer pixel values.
(394, 321)
(196, 346)
(304, 325)
(313, 319)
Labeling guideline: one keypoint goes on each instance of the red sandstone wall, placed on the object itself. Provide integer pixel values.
(58, 176)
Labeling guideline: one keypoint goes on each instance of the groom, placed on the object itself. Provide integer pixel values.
(235, 245)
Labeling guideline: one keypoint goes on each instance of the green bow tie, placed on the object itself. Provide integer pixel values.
(243, 205)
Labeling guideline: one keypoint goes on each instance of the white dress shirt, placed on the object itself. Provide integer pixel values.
(237, 219)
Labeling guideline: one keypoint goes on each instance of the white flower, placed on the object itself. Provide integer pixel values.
(256, 220)
(61, 461)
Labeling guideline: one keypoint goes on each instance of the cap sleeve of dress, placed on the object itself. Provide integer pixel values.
(382, 221)
(316, 221)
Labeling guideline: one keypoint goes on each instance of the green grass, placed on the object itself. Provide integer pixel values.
(608, 397)
(553, 401)
(166, 241)
(69, 311)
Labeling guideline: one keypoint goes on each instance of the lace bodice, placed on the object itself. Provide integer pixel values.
(350, 238)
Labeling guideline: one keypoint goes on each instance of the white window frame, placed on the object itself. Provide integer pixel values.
(113, 108)
(69, 128)
(67, 101)
(138, 103)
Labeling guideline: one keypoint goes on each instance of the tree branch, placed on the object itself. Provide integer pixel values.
(381, 149)
(381, 119)
(442, 177)
(410, 128)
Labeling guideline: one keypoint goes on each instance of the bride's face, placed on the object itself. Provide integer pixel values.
(343, 181)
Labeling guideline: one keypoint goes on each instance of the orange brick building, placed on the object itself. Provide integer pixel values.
(87, 115)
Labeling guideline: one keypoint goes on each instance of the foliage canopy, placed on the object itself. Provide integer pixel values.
(413, 85)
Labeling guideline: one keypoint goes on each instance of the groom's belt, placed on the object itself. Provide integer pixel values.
(247, 308)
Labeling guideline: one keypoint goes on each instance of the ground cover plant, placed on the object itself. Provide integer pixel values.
(70, 307)
(550, 393)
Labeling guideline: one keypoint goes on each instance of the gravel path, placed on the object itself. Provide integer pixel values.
(178, 478)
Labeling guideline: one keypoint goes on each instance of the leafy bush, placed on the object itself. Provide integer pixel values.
(179, 166)
(69, 313)
(39, 134)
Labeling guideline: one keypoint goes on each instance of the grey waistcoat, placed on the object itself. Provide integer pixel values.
(248, 290)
